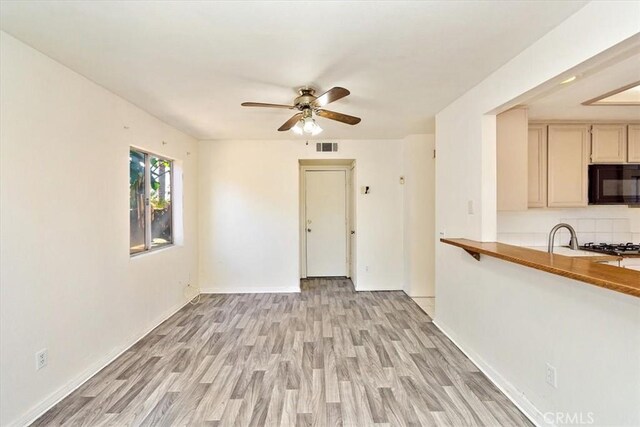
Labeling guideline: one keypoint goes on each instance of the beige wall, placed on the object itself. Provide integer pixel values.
(419, 167)
(68, 283)
(249, 213)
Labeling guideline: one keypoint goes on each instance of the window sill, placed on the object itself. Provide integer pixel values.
(152, 251)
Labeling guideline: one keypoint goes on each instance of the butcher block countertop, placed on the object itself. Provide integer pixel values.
(566, 251)
(617, 279)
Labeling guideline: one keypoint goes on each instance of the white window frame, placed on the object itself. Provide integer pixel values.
(147, 204)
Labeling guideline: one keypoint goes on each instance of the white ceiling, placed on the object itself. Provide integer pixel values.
(191, 64)
(565, 102)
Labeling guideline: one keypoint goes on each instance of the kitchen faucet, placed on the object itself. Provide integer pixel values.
(573, 243)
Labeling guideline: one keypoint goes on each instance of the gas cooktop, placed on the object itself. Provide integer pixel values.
(621, 249)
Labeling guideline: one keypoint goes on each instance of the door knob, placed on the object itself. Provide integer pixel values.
(308, 230)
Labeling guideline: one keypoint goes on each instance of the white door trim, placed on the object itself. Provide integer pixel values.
(348, 170)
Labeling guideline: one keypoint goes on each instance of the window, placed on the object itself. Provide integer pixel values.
(150, 207)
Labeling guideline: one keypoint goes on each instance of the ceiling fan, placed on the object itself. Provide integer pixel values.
(308, 104)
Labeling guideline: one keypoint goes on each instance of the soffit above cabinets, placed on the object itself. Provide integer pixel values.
(567, 101)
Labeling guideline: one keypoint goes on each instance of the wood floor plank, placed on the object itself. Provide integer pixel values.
(334, 415)
(332, 390)
(327, 356)
(276, 403)
(146, 400)
(64, 412)
(140, 381)
(289, 412)
(160, 409)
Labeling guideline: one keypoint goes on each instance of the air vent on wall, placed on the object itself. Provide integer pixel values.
(326, 146)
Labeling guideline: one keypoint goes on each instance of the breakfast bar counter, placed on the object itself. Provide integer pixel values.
(617, 279)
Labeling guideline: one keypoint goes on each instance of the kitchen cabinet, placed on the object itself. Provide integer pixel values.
(633, 144)
(537, 166)
(511, 149)
(608, 143)
(567, 165)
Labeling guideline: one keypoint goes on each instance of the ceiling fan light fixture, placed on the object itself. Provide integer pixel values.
(309, 125)
(309, 105)
(306, 125)
(297, 129)
(316, 130)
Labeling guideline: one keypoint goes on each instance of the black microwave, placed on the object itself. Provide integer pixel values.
(614, 184)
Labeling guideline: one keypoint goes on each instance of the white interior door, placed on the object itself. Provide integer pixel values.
(326, 225)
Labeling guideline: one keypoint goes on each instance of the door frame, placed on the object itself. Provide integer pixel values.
(348, 167)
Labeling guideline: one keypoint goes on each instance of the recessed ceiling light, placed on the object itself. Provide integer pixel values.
(569, 80)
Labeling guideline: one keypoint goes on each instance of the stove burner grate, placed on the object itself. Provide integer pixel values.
(612, 248)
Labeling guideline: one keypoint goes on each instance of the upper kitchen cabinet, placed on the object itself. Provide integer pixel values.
(608, 143)
(537, 166)
(634, 144)
(511, 148)
(568, 159)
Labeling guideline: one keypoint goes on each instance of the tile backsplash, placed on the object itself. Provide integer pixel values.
(598, 224)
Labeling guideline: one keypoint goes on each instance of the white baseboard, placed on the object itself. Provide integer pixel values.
(38, 410)
(509, 390)
(382, 288)
(252, 290)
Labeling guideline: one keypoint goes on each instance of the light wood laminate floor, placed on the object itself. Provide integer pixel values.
(326, 356)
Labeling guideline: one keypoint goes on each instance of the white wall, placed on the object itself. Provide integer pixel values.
(249, 220)
(68, 283)
(511, 319)
(419, 168)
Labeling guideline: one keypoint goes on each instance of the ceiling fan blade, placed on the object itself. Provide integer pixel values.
(344, 118)
(331, 95)
(262, 104)
(291, 122)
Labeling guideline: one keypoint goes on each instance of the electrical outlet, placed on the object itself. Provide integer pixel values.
(42, 358)
(551, 376)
